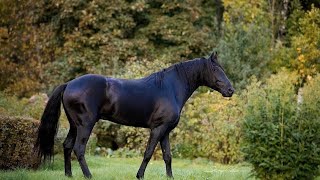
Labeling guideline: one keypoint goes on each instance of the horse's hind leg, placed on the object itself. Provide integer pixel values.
(68, 146)
(83, 132)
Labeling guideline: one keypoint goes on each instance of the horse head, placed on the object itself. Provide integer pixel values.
(216, 77)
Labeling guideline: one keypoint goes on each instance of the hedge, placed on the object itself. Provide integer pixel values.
(17, 137)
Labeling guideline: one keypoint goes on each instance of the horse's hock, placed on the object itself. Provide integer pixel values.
(17, 137)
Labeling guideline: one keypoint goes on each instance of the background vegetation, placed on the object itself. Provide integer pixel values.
(270, 51)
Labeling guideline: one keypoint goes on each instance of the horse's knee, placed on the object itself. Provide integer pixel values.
(80, 155)
(79, 150)
(67, 144)
(147, 156)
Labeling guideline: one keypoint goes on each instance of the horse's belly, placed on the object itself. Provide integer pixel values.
(127, 121)
(129, 115)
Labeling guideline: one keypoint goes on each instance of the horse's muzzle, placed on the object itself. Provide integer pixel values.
(228, 93)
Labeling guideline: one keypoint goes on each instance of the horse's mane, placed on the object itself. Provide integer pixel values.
(159, 78)
(182, 69)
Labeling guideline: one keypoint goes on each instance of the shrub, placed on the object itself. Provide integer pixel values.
(278, 141)
(108, 135)
(311, 100)
(209, 127)
(17, 137)
(10, 105)
(27, 107)
(245, 51)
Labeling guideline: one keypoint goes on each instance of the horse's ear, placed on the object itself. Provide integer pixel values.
(214, 56)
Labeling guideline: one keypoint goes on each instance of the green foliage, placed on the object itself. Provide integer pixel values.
(245, 12)
(303, 53)
(306, 43)
(10, 105)
(102, 36)
(33, 107)
(279, 142)
(244, 48)
(139, 69)
(244, 53)
(108, 135)
(209, 127)
(26, 107)
(50, 42)
(17, 137)
(311, 99)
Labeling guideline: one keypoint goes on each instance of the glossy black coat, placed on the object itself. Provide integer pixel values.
(153, 102)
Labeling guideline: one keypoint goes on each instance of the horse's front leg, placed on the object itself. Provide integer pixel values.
(155, 135)
(166, 153)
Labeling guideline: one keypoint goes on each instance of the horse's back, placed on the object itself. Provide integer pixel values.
(88, 89)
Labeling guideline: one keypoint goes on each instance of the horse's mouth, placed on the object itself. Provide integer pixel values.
(227, 94)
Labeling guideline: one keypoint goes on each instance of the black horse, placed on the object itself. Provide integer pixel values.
(153, 102)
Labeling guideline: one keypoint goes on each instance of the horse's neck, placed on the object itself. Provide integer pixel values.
(189, 79)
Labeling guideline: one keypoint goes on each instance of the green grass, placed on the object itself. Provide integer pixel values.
(126, 168)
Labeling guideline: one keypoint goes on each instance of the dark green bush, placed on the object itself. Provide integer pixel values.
(280, 141)
(17, 137)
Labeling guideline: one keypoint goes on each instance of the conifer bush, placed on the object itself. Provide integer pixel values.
(281, 138)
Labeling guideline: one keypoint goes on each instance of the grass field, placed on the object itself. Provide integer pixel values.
(126, 168)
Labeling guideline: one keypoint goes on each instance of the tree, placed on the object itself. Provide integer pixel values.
(25, 46)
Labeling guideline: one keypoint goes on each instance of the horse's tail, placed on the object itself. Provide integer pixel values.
(49, 125)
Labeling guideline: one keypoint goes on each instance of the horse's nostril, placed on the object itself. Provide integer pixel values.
(230, 90)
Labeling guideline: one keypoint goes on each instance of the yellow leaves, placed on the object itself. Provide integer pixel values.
(3, 33)
(299, 50)
(245, 11)
(306, 43)
(301, 58)
(139, 6)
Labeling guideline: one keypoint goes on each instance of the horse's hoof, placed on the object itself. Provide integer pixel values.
(68, 174)
(139, 176)
(88, 176)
